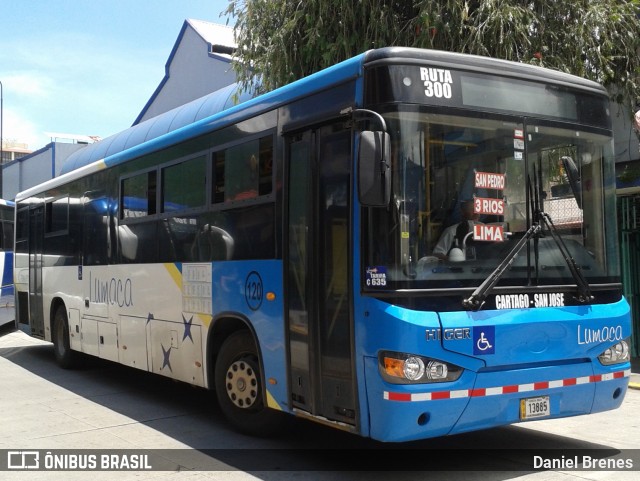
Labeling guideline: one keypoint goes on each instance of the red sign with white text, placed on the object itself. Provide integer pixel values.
(490, 180)
(489, 206)
(488, 232)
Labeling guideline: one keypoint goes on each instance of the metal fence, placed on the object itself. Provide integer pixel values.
(629, 226)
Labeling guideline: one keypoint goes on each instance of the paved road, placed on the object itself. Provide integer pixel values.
(105, 406)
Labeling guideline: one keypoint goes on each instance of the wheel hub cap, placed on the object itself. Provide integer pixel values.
(242, 384)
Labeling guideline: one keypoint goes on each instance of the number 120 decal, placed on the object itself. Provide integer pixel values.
(253, 291)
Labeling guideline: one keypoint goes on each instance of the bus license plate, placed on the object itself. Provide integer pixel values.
(535, 407)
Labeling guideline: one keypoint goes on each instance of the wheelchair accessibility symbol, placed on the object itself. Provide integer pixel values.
(482, 343)
(484, 340)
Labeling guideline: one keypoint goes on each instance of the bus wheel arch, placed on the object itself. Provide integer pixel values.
(65, 356)
(221, 329)
(237, 374)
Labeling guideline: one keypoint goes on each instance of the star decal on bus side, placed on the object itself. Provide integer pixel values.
(187, 328)
(165, 361)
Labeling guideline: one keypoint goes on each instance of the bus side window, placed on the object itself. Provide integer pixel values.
(57, 216)
(138, 195)
(243, 171)
(183, 185)
(7, 235)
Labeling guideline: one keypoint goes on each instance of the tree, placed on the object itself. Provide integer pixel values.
(283, 40)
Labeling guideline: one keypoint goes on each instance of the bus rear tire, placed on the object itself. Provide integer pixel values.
(238, 384)
(65, 357)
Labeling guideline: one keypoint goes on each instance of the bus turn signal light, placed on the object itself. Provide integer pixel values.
(393, 367)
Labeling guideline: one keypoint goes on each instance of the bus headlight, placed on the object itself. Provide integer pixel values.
(413, 368)
(616, 354)
(403, 368)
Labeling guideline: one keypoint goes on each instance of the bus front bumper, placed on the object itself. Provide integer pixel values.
(401, 412)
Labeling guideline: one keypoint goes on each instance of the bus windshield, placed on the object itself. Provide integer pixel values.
(467, 187)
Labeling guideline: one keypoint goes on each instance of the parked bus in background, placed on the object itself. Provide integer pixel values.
(280, 250)
(7, 302)
(7, 305)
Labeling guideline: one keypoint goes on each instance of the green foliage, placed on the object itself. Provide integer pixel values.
(283, 40)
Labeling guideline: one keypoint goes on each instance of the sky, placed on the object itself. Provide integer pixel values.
(86, 67)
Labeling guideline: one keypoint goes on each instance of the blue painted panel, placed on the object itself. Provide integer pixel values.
(535, 352)
(404, 420)
(538, 335)
(7, 271)
(241, 288)
(490, 410)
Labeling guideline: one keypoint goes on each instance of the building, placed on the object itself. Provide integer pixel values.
(39, 166)
(199, 63)
(13, 151)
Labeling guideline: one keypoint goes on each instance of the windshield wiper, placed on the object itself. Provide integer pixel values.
(476, 300)
(584, 290)
(538, 217)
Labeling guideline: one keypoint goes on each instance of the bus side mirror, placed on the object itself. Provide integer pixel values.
(374, 169)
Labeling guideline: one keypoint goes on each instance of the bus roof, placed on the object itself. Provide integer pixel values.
(478, 63)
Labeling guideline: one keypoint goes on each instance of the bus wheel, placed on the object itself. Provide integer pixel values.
(238, 383)
(65, 357)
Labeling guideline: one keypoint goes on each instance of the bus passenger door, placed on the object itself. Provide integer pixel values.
(36, 246)
(97, 324)
(95, 253)
(319, 298)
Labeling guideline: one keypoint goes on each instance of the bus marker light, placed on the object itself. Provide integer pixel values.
(273, 381)
(271, 296)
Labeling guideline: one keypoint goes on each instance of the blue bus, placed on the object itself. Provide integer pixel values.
(409, 244)
(7, 306)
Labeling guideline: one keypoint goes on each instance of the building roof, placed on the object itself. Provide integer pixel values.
(215, 35)
(219, 40)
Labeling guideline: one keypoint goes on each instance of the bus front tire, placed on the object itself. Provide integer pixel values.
(65, 357)
(238, 384)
